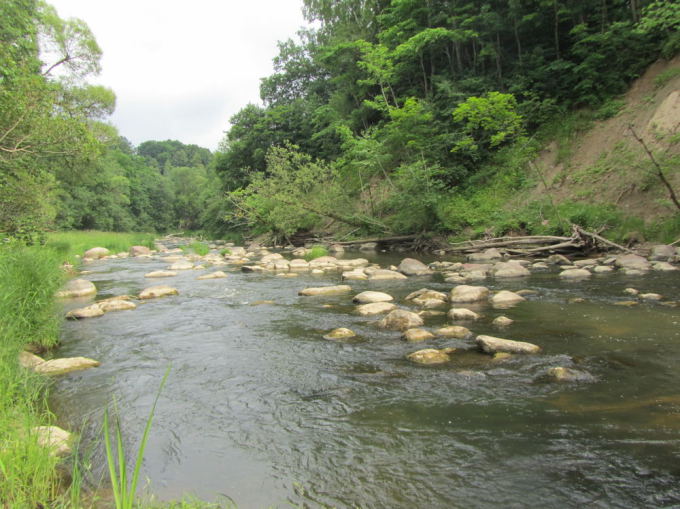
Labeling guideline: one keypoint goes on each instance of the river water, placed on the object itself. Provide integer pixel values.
(260, 408)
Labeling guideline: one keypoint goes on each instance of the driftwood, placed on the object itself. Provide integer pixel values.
(580, 240)
(380, 240)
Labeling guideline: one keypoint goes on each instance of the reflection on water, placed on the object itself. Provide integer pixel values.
(261, 408)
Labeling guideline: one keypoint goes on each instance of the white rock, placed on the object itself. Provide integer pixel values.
(370, 296)
(91, 311)
(400, 319)
(55, 439)
(505, 299)
(416, 335)
(157, 291)
(462, 314)
(65, 365)
(375, 308)
(466, 293)
(160, 273)
(491, 344)
(77, 288)
(326, 290)
(575, 274)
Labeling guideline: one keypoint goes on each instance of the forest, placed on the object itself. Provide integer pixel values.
(402, 116)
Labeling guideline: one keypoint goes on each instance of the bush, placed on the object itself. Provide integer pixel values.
(316, 252)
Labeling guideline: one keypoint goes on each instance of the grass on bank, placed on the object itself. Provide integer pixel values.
(72, 243)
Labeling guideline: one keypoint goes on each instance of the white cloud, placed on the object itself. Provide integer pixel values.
(181, 69)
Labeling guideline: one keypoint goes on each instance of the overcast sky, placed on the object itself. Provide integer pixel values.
(180, 69)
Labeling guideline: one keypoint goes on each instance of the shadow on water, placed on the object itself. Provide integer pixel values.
(260, 407)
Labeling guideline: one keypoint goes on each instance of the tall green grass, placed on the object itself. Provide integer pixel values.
(199, 248)
(73, 243)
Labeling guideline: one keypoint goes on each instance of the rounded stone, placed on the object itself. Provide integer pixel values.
(416, 335)
(370, 297)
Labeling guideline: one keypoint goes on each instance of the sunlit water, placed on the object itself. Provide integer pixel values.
(260, 408)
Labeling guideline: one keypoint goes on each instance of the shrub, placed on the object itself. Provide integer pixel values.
(316, 252)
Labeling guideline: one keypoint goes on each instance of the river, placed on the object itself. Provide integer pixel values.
(260, 408)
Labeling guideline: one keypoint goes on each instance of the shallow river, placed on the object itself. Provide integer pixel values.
(260, 408)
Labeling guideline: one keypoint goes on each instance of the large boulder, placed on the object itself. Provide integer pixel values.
(426, 293)
(400, 319)
(505, 299)
(77, 288)
(632, 262)
(662, 253)
(431, 356)
(139, 251)
(456, 314)
(413, 267)
(65, 365)
(326, 290)
(96, 253)
(57, 440)
(467, 293)
(490, 344)
(375, 308)
(369, 296)
(90, 311)
(271, 257)
(356, 274)
(575, 274)
(154, 292)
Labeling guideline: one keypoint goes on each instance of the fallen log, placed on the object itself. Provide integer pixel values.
(511, 241)
(380, 240)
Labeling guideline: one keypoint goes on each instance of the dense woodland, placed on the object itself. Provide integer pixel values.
(394, 116)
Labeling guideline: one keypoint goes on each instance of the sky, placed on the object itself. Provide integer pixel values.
(180, 69)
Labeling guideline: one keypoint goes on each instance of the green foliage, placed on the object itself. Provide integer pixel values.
(609, 109)
(316, 252)
(72, 243)
(225, 251)
(199, 248)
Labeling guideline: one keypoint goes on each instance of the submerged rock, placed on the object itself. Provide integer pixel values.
(562, 374)
(400, 319)
(340, 333)
(502, 321)
(65, 365)
(77, 288)
(326, 290)
(160, 273)
(158, 291)
(490, 344)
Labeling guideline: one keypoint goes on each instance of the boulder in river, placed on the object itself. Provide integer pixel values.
(664, 266)
(116, 305)
(509, 270)
(160, 273)
(467, 293)
(369, 296)
(454, 331)
(356, 274)
(181, 265)
(65, 365)
(91, 311)
(213, 275)
(77, 288)
(426, 303)
(462, 314)
(487, 255)
(57, 440)
(562, 374)
(490, 344)
(158, 291)
(632, 262)
(96, 253)
(416, 335)
(400, 319)
(575, 274)
(326, 290)
(139, 251)
(662, 253)
(505, 299)
(413, 267)
(431, 356)
(375, 308)
(502, 321)
(426, 293)
(385, 274)
(340, 333)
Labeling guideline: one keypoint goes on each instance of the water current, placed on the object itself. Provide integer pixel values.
(260, 408)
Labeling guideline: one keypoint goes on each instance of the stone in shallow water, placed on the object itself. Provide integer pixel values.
(65, 365)
(505, 299)
(29, 360)
(454, 331)
(160, 273)
(490, 344)
(213, 275)
(415, 335)
(326, 290)
(502, 321)
(340, 333)
(562, 374)
(462, 314)
(90, 311)
(375, 308)
(385, 275)
(158, 291)
(77, 288)
(369, 297)
(575, 274)
(400, 319)
(467, 293)
(431, 356)
(181, 265)
(116, 305)
(427, 294)
(413, 267)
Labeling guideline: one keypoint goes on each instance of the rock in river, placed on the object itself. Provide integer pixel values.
(91, 311)
(384, 275)
(77, 288)
(368, 297)
(490, 344)
(116, 305)
(326, 290)
(65, 365)
(462, 314)
(431, 356)
(505, 299)
(157, 291)
(340, 333)
(213, 275)
(454, 331)
(575, 274)
(375, 308)
(400, 319)
(160, 273)
(413, 267)
(467, 293)
(561, 374)
(415, 335)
